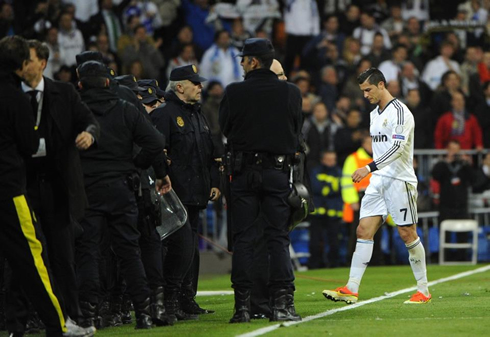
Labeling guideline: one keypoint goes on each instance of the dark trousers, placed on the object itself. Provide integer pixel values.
(22, 246)
(191, 278)
(324, 230)
(259, 298)
(294, 47)
(150, 243)
(179, 249)
(255, 191)
(50, 206)
(113, 205)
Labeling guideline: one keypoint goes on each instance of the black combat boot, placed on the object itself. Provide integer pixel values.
(188, 302)
(115, 310)
(242, 307)
(143, 316)
(89, 311)
(157, 307)
(126, 310)
(174, 312)
(282, 306)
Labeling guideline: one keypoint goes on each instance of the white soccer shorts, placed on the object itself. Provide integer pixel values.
(386, 195)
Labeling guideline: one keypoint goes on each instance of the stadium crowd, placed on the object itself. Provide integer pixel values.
(435, 58)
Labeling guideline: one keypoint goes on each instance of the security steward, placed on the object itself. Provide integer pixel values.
(111, 180)
(194, 175)
(20, 242)
(261, 117)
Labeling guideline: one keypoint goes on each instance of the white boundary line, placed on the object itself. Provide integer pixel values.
(265, 330)
(214, 293)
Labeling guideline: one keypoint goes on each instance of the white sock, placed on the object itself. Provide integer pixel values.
(360, 261)
(416, 257)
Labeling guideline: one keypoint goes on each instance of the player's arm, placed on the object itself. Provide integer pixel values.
(402, 126)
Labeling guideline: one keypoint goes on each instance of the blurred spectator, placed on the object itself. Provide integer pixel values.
(319, 134)
(330, 35)
(415, 8)
(64, 74)
(328, 88)
(302, 23)
(350, 19)
(482, 112)
(107, 21)
(135, 68)
(395, 24)
(436, 67)
(474, 10)
(469, 67)
(477, 80)
(423, 118)
(109, 55)
(459, 45)
(54, 61)
(410, 79)
(186, 56)
(454, 177)
(220, 61)
(342, 107)
(378, 52)
(70, 40)
(72, 9)
(84, 8)
(334, 7)
(185, 36)
(413, 33)
(441, 100)
(210, 110)
(239, 34)
(380, 10)
(332, 58)
(366, 31)
(195, 13)
(392, 68)
(458, 124)
(144, 51)
(351, 88)
(38, 21)
(393, 87)
(148, 13)
(309, 99)
(326, 220)
(352, 53)
(127, 38)
(482, 176)
(348, 139)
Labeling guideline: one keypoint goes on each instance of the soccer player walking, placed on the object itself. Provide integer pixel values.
(392, 189)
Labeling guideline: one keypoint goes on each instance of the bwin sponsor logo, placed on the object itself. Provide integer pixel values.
(379, 138)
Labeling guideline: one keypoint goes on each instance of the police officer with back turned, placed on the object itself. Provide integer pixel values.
(261, 117)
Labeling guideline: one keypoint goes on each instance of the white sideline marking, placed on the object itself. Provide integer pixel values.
(215, 293)
(263, 331)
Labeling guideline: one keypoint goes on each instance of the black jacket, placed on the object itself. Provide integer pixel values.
(18, 140)
(262, 114)
(69, 116)
(121, 125)
(193, 170)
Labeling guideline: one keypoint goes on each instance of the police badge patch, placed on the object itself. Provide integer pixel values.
(180, 121)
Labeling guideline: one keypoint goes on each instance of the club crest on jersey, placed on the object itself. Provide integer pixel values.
(379, 138)
(385, 123)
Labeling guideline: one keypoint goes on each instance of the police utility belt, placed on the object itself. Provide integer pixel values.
(261, 160)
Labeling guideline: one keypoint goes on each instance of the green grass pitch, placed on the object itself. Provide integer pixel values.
(459, 307)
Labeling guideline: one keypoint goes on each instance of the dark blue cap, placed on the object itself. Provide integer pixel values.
(92, 69)
(148, 95)
(257, 47)
(89, 56)
(130, 82)
(186, 73)
(152, 83)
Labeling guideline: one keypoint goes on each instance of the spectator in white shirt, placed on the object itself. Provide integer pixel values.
(436, 67)
(70, 40)
(365, 33)
(392, 68)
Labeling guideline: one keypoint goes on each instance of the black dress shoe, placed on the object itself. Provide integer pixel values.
(144, 322)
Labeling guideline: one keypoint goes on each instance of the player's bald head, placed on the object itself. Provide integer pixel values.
(277, 69)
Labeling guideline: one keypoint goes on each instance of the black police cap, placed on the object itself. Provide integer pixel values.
(148, 95)
(89, 56)
(92, 69)
(186, 73)
(152, 83)
(257, 47)
(129, 81)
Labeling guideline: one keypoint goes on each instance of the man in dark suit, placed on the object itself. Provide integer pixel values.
(54, 175)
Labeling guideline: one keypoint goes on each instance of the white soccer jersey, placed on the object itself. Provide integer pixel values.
(392, 132)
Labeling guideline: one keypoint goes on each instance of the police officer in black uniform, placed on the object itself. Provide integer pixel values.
(111, 179)
(261, 117)
(194, 175)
